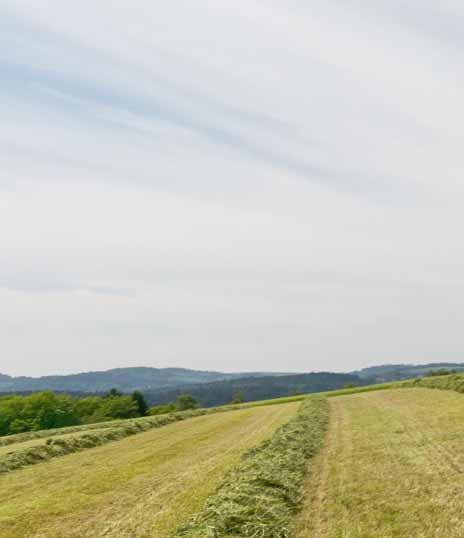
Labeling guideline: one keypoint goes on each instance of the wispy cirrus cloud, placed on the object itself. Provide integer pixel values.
(256, 177)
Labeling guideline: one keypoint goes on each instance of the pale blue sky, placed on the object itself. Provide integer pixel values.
(254, 185)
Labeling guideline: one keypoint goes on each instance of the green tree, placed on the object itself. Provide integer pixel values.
(19, 426)
(87, 408)
(141, 403)
(114, 407)
(185, 401)
(47, 410)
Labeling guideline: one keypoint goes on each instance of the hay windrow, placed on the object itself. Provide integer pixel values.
(41, 434)
(53, 448)
(259, 498)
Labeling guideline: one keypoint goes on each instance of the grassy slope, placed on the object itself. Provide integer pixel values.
(444, 382)
(143, 486)
(260, 496)
(22, 450)
(393, 467)
(30, 451)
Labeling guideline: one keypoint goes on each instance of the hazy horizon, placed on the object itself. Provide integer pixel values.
(225, 370)
(258, 186)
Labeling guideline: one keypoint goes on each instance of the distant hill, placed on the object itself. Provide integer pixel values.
(397, 372)
(257, 388)
(213, 388)
(124, 379)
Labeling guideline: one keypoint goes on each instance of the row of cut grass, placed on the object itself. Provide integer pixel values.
(43, 434)
(53, 447)
(260, 496)
(46, 434)
(142, 486)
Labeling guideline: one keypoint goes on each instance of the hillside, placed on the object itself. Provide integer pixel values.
(398, 372)
(161, 383)
(124, 379)
(257, 388)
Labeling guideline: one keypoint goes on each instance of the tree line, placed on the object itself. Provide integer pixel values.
(47, 410)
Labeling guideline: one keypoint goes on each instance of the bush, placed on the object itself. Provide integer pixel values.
(162, 409)
(184, 402)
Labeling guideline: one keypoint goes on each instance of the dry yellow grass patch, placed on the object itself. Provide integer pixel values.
(142, 486)
(392, 467)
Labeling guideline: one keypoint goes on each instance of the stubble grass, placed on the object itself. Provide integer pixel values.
(143, 486)
(392, 468)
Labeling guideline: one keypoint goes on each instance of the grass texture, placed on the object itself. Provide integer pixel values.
(47, 444)
(26, 437)
(444, 382)
(260, 496)
(42, 434)
(53, 447)
(392, 467)
(143, 486)
(18, 438)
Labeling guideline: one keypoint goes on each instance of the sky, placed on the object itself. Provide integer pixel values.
(247, 185)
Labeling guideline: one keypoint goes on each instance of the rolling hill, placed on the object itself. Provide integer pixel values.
(124, 379)
(398, 372)
(257, 388)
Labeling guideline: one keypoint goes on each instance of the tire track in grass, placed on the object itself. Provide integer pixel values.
(312, 521)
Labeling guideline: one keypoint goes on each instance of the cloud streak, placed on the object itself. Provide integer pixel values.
(277, 183)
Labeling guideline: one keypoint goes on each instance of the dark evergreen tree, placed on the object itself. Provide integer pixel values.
(142, 405)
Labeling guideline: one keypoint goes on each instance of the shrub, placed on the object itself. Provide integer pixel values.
(162, 409)
(185, 401)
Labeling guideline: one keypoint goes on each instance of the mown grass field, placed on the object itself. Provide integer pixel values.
(143, 486)
(392, 467)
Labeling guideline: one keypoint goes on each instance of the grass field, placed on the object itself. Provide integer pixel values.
(37, 447)
(392, 467)
(260, 497)
(142, 486)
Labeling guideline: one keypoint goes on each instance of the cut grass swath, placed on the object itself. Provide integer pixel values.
(260, 497)
(52, 448)
(43, 434)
